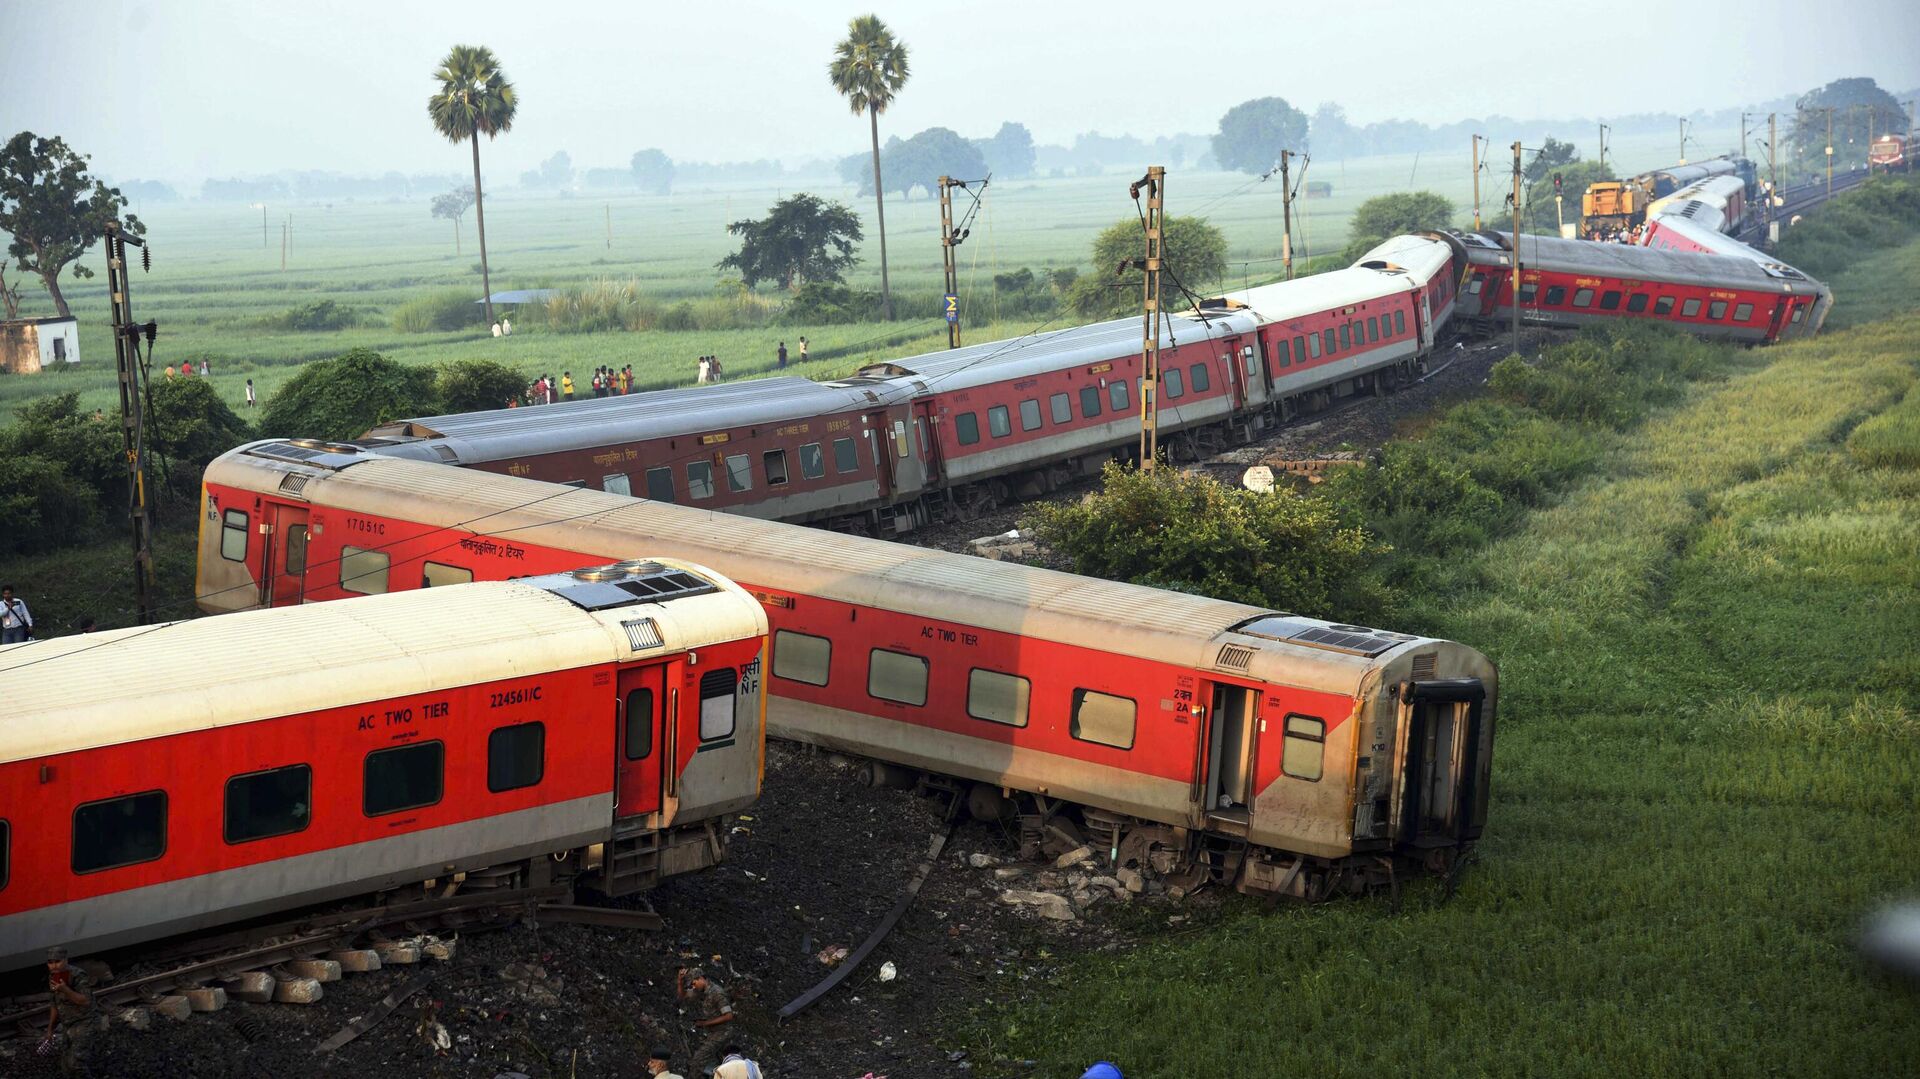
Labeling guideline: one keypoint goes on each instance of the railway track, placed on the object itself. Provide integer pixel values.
(1800, 199)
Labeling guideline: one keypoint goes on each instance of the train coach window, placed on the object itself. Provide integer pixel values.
(440, 575)
(637, 715)
(1201, 382)
(1743, 312)
(999, 421)
(660, 484)
(775, 463)
(1346, 337)
(998, 698)
(1283, 353)
(1303, 750)
(966, 427)
(717, 688)
(233, 535)
(1528, 291)
(1329, 343)
(700, 480)
(813, 461)
(897, 676)
(262, 804)
(1103, 718)
(1029, 415)
(1171, 382)
(1556, 295)
(618, 483)
(739, 473)
(402, 778)
(363, 571)
(1313, 345)
(296, 547)
(1062, 408)
(1663, 306)
(1690, 309)
(119, 831)
(1475, 285)
(1718, 310)
(846, 456)
(1089, 401)
(1583, 298)
(517, 756)
(1799, 314)
(1117, 395)
(1399, 322)
(1373, 330)
(1637, 303)
(1610, 300)
(801, 657)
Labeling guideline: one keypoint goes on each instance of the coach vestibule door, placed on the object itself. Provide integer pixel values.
(1230, 731)
(283, 552)
(642, 751)
(1781, 305)
(880, 441)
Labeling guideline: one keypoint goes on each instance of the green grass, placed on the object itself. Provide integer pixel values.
(1875, 287)
(1707, 772)
(216, 289)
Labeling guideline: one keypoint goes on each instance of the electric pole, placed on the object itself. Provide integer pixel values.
(950, 238)
(1516, 248)
(133, 431)
(1605, 129)
(1476, 181)
(1683, 140)
(1743, 136)
(1286, 217)
(1155, 183)
(263, 227)
(609, 226)
(1830, 151)
(1908, 150)
(1773, 175)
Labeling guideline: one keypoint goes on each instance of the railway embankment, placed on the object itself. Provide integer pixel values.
(1709, 768)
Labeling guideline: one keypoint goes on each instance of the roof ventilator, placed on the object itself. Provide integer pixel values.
(642, 633)
(1235, 656)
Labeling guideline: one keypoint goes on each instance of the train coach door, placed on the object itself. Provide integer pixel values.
(640, 742)
(1230, 730)
(283, 553)
(880, 441)
(929, 439)
(1781, 305)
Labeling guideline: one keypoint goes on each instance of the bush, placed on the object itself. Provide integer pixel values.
(825, 303)
(1192, 534)
(341, 398)
(447, 309)
(478, 385)
(317, 316)
(42, 506)
(1884, 212)
(91, 449)
(190, 426)
(596, 307)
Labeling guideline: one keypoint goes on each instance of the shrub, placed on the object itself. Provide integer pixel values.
(191, 425)
(1884, 212)
(317, 316)
(825, 303)
(446, 309)
(478, 385)
(341, 398)
(596, 307)
(42, 506)
(91, 450)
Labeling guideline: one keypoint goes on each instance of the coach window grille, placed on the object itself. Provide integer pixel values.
(775, 464)
(716, 703)
(998, 698)
(1171, 382)
(739, 473)
(233, 535)
(270, 803)
(966, 426)
(802, 657)
(1718, 311)
(1303, 750)
(1062, 407)
(1089, 402)
(1556, 295)
(440, 575)
(516, 756)
(638, 718)
(1636, 303)
(1690, 309)
(813, 462)
(1103, 718)
(1029, 415)
(999, 421)
(363, 571)
(119, 831)
(1117, 395)
(1610, 300)
(846, 456)
(1743, 312)
(660, 484)
(1202, 382)
(402, 778)
(897, 676)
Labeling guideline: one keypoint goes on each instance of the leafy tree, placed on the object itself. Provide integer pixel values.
(54, 427)
(452, 206)
(653, 171)
(1194, 253)
(190, 425)
(1332, 135)
(1552, 157)
(921, 160)
(477, 385)
(52, 211)
(555, 173)
(1009, 152)
(1540, 214)
(474, 99)
(1384, 216)
(1193, 534)
(868, 69)
(1253, 133)
(42, 506)
(341, 398)
(1861, 110)
(803, 238)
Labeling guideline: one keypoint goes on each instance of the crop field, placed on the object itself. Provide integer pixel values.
(216, 282)
(1708, 768)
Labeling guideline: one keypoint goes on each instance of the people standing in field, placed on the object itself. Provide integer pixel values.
(780, 357)
(596, 383)
(249, 393)
(803, 350)
(626, 380)
(713, 367)
(705, 375)
(566, 385)
(16, 622)
(506, 326)
(206, 368)
(496, 329)
(169, 372)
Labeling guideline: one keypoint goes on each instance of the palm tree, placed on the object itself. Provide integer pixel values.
(474, 98)
(868, 68)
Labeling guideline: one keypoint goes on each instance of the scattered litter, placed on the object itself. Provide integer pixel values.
(888, 971)
(833, 954)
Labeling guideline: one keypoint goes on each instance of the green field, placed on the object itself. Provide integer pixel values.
(214, 283)
(1707, 773)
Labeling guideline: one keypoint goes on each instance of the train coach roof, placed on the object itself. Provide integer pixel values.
(1629, 262)
(472, 437)
(87, 690)
(943, 588)
(997, 361)
(1283, 301)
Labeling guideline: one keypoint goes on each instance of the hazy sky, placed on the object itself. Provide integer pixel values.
(204, 88)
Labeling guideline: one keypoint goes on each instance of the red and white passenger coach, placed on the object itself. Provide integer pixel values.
(590, 725)
(1275, 752)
